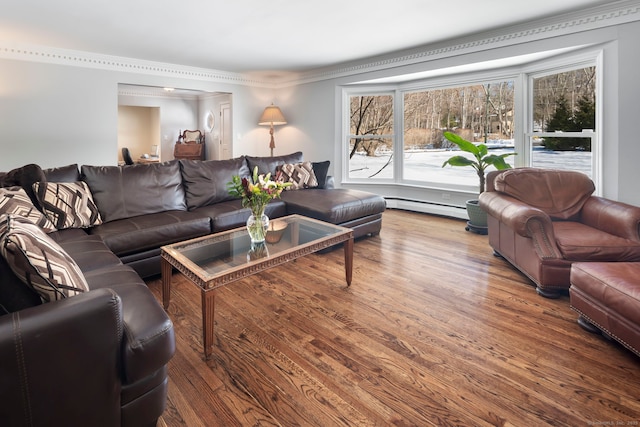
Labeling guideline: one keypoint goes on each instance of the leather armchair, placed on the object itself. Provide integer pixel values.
(543, 220)
(81, 362)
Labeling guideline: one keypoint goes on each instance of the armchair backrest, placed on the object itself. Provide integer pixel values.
(559, 193)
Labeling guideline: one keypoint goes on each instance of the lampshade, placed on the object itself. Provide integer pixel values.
(272, 116)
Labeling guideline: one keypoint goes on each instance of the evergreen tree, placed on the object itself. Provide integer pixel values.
(564, 119)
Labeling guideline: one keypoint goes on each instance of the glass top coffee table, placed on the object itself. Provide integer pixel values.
(218, 259)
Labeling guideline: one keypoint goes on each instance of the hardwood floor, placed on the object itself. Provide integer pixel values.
(434, 331)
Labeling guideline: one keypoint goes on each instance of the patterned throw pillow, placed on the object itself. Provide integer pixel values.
(68, 204)
(300, 175)
(14, 200)
(39, 261)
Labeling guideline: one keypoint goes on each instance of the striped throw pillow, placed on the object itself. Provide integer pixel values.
(300, 175)
(14, 200)
(39, 261)
(68, 204)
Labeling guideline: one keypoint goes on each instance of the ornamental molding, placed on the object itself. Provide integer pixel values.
(607, 15)
(603, 16)
(50, 55)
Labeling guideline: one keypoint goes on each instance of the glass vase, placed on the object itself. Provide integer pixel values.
(257, 227)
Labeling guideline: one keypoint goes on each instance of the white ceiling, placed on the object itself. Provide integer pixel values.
(269, 37)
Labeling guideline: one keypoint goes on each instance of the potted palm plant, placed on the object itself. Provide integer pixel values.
(482, 160)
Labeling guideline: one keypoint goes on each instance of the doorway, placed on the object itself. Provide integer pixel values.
(139, 131)
(226, 139)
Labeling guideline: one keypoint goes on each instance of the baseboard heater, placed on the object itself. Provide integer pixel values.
(426, 207)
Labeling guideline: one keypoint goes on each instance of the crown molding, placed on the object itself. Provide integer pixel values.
(607, 15)
(51, 55)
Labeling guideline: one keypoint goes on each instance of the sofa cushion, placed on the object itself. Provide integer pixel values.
(559, 193)
(269, 164)
(89, 252)
(205, 182)
(140, 233)
(231, 214)
(39, 261)
(69, 173)
(68, 204)
(299, 175)
(579, 242)
(14, 200)
(133, 190)
(333, 205)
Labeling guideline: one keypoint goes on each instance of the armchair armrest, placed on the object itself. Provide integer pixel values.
(616, 218)
(59, 362)
(524, 220)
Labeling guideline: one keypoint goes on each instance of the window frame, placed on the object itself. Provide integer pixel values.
(522, 77)
(347, 136)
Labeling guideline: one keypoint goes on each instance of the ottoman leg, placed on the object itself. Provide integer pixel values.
(588, 326)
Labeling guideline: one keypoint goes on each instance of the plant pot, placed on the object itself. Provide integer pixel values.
(477, 217)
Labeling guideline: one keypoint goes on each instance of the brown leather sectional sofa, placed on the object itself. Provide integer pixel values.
(100, 358)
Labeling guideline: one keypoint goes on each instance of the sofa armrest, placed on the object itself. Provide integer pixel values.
(524, 220)
(615, 218)
(149, 340)
(59, 362)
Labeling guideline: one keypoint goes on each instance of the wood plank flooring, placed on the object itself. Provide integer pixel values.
(434, 331)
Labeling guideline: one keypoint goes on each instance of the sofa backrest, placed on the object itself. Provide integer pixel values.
(559, 193)
(133, 190)
(205, 182)
(69, 173)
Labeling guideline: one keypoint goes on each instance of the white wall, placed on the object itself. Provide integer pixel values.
(316, 104)
(55, 114)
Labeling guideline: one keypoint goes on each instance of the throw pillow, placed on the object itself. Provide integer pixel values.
(39, 261)
(300, 175)
(14, 200)
(68, 204)
(270, 164)
(321, 169)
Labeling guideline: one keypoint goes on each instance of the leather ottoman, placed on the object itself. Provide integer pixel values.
(607, 297)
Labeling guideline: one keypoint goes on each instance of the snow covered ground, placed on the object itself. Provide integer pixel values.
(427, 165)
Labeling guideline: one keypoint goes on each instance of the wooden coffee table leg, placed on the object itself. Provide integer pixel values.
(208, 303)
(165, 269)
(348, 259)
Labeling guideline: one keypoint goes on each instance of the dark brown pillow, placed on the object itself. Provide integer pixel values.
(270, 164)
(25, 176)
(321, 169)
